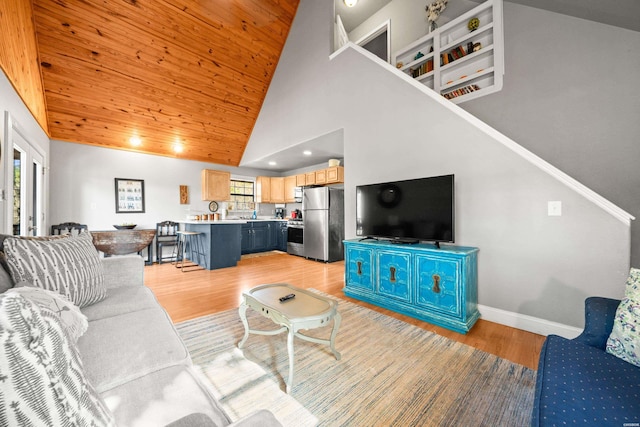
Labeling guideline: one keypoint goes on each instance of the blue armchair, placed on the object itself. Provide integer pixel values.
(579, 383)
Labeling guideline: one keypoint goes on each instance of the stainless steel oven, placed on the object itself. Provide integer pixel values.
(295, 242)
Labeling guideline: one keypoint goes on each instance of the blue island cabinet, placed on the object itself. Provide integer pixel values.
(220, 241)
(437, 285)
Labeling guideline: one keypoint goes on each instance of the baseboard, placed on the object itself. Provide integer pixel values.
(527, 323)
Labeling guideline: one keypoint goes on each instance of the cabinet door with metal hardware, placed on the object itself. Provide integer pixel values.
(438, 285)
(394, 277)
(359, 267)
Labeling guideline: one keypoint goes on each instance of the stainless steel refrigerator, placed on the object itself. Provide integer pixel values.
(323, 214)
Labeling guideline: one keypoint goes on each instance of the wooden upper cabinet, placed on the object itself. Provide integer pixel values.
(283, 189)
(263, 189)
(335, 174)
(216, 185)
(310, 178)
(277, 190)
(321, 176)
(290, 184)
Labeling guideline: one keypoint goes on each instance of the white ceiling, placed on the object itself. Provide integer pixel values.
(322, 148)
(354, 16)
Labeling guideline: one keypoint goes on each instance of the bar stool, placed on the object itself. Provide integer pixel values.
(191, 239)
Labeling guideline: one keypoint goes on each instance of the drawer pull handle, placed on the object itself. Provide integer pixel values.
(359, 264)
(436, 283)
(392, 270)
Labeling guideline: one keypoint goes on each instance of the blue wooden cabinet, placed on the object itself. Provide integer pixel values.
(281, 236)
(358, 266)
(262, 236)
(439, 286)
(394, 274)
(220, 242)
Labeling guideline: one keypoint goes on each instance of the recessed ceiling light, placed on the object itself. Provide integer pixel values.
(135, 141)
(272, 163)
(307, 153)
(350, 3)
(177, 147)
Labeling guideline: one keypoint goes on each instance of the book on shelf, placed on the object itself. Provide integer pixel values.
(422, 68)
(461, 91)
(459, 52)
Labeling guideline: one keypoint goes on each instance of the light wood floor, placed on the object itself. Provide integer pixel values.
(192, 294)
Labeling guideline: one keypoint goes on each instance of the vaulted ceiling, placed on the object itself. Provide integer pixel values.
(150, 75)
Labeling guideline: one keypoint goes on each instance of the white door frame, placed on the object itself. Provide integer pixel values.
(33, 158)
(385, 26)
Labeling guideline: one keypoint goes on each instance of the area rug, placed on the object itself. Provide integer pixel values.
(390, 374)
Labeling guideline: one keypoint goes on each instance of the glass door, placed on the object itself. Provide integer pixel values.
(27, 207)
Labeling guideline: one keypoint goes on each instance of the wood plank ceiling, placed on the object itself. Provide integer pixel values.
(192, 72)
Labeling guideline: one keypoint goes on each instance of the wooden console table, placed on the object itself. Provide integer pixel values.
(439, 286)
(122, 242)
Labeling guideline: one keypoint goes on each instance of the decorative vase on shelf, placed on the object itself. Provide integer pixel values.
(433, 11)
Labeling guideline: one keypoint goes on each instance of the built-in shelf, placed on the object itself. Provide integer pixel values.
(458, 63)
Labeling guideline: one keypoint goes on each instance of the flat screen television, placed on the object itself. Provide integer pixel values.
(407, 211)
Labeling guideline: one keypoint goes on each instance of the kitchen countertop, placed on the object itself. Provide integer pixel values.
(229, 221)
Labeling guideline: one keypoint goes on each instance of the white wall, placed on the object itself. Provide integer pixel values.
(12, 104)
(82, 185)
(408, 20)
(579, 80)
(529, 264)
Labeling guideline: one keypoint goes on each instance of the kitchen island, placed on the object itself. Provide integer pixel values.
(225, 241)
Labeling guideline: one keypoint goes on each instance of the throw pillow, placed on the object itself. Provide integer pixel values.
(624, 340)
(72, 318)
(42, 377)
(6, 282)
(70, 266)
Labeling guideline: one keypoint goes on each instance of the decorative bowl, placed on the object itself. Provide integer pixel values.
(125, 227)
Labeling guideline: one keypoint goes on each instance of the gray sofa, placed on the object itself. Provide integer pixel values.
(135, 360)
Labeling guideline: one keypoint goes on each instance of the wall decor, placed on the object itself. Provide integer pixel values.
(184, 195)
(129, 195)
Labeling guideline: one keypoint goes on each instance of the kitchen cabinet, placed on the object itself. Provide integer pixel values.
(270, 189)
(278, 236)
(321, 176)
(220, 241)
(216, 185)
(261, 236)
(281, 236)
(310, 178)
(331, 175)
(436, 285)
(277, 190)
(263, 189)
(251, 241)
(290, 189)
(335, 174)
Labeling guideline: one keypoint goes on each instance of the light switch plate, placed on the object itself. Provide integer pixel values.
(554, 208)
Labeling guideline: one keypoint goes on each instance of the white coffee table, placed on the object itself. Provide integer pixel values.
(306, 311)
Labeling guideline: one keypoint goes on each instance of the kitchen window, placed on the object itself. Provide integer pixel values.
(242, 195)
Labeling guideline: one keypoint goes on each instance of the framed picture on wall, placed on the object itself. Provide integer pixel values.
(129, 195)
